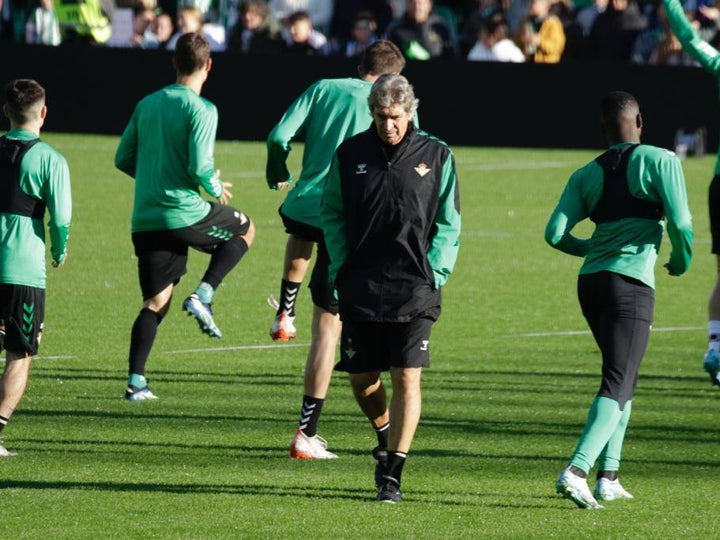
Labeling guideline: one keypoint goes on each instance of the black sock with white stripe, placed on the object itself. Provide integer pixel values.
(310, 414)
(288, 295)
(3, 423)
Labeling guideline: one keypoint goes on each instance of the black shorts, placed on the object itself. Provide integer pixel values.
(619, 310)
(22, 310)
(162, 255)
(714, 208)
(323, 294)
(366, 347)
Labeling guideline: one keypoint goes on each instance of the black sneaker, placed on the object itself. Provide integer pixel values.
(380, 455)
(389, 491)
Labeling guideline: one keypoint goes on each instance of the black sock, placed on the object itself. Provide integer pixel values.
(142, 337)
(3, 422)
(310, 414)
(224, 258)
(610, 475)
(382, 435)
(395, 463)
(288, 296)
(577, 472)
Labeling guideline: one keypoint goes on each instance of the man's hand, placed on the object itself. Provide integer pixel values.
(226, 194)
(282, 186)
(670, 270)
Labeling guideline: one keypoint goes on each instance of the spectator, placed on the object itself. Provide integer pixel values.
(613, 34)
(364, 34)
(481, 12)
(190, 19)
(493, 44)
(42, 27)
(83, 22)
(541, 35)
(302, 39)
(143, 36)
(319, 11)
(657, 45)
(163, 29)
(346, 11)
(256, 30)
(421, 34)
(585, 16)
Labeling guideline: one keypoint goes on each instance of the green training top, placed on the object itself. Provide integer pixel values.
(628, 246)
(327, 113)
(168, 147)
(44, 174)
(700, 50)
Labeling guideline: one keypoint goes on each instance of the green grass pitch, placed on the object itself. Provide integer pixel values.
(513, 372)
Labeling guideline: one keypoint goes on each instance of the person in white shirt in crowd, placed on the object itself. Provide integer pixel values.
(493, 44)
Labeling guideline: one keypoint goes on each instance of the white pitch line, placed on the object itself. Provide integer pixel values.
(587, 332)
(238, 348)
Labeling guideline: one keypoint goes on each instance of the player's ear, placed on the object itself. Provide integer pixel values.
(638, 120)
(208, 65)
(43, 112)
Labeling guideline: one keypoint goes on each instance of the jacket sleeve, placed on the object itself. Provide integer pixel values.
(278, 141)
(706, 55)
(673, 193)
(444, 247)
(58, 201)
(332, 212)
(569, 211)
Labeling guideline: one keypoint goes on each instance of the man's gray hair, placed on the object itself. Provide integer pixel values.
(392, 89)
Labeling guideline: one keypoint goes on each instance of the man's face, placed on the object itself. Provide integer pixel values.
(419, 10)
(391, 123)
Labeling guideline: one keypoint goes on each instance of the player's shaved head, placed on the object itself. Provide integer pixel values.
(24, 100)
(620, 117)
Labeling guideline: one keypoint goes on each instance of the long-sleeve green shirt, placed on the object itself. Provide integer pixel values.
(628, 246)
(168, 147)
(44, 175)
(706, 55)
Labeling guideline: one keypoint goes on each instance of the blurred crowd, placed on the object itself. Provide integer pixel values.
(540, 31)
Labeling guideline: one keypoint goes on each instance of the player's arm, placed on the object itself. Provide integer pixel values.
(279, 139)
(446, 242)
(673, 193)
(201, 150)
(697, 48)
(58, 201)
(332, 211)
(570, 210)
(126, 153)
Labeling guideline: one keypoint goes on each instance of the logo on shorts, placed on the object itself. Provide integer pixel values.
(349, 351)
(424, 344)
(361, 168)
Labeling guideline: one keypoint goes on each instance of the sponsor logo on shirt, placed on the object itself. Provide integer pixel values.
(361, 168)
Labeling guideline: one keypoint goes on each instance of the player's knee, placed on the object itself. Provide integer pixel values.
(249, 236)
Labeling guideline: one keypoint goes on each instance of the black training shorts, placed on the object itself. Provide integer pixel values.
(162, 255)
(22, 309)
(323, 294)
(366, 347)
(714, 208)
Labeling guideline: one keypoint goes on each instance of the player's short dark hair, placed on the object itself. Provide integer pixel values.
(618, 103)
(21, 98)
(192, 51)
(382, 57)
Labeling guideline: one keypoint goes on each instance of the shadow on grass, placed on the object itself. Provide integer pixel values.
(525, 501)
